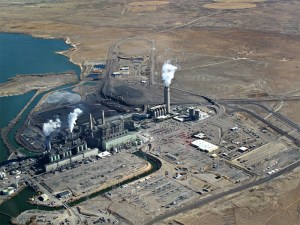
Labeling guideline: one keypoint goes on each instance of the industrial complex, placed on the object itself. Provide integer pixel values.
(145, 149)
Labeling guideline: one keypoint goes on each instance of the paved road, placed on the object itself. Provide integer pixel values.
(275, 114)
(215, 197)
(277, 129)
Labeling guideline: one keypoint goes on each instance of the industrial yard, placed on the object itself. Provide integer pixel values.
(93, 175)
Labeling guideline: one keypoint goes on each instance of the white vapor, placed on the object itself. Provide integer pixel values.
(168, 71)
(73, 117)
(49, 127)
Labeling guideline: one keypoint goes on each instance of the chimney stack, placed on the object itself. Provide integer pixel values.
(167, 99)
(48, 144)
(103, 119)
(72, 138)
(91, 122)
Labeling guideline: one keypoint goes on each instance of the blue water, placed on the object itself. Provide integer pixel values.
(100, 66)
(93, 75)
(24, 54)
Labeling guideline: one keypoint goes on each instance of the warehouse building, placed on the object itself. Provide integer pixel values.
(204, 146)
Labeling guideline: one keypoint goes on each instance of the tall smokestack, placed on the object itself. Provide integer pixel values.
(167, 99)
(91, 125)
(91, 122)
(168, 71)
(72, 138)
(48, 144)
(103, 119)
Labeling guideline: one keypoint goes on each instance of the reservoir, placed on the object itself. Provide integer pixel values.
(24, 54)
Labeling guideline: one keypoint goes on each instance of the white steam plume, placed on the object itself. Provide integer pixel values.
(73, 117)
(168, 71)
(49, 127)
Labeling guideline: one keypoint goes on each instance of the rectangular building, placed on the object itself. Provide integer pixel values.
(204, 146)
(119, 140)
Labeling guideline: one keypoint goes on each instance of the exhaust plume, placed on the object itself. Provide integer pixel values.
(168, 71)
(73, 117)
(49, 127)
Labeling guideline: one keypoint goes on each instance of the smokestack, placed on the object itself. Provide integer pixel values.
(91, 122)
(168, 71)
(48, 144)
(167, 99)
(91, 125)
(72, 138)
(103, 119)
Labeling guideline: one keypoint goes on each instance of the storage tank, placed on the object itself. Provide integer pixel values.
(115, 150)
(197, 114)
(191, 112)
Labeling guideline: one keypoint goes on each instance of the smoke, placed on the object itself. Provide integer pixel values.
(49, 127)
(73, 117)
(168, 71)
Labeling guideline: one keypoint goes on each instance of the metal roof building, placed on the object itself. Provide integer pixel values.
(204, 146)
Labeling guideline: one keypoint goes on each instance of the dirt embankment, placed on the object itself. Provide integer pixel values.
(22, 84)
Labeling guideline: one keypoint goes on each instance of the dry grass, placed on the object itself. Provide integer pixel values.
(230, 5)
(239, 1)
(148, 3)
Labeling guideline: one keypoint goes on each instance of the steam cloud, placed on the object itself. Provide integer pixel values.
(73, 117)
(168, 71)
(49, 127)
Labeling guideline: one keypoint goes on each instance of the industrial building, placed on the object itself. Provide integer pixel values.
(43, 197)
(243, 149)
(63, 194)
(204, 146)
(119, 140)
(162, 110)
(158, 111)
(200, 136)
(86, 139)
(104, 154)
(8, 191)
(196, 114)
(58, 162)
